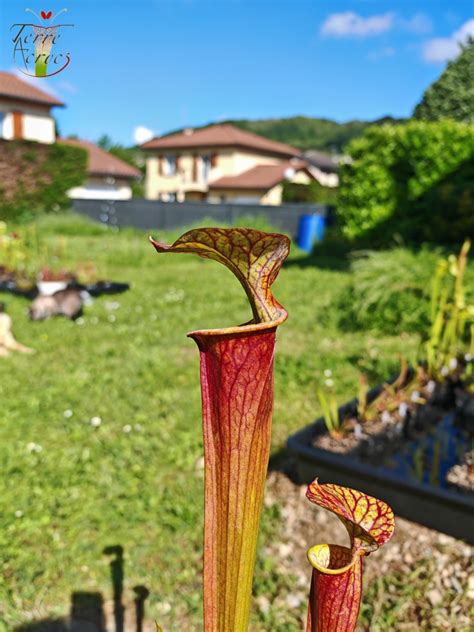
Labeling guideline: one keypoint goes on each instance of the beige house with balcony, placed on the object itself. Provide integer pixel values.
(221, 163)
(25, 111)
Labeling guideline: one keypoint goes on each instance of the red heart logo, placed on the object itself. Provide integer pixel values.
(45, 15)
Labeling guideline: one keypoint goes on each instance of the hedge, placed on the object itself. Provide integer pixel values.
(412, 180)
(308, 193)
(35, 177)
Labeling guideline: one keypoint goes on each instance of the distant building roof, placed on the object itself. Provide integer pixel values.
(323, 161)
(260, 177)
(101, 163)
(13, 87)
(224, 135)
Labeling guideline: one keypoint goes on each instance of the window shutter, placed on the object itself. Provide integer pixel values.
(214, 160)
(160, 165)
(17, 125)
(195, 168)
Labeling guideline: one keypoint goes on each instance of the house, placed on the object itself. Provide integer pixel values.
(25, 114)
(108, 177)
(324, 167)
(25, 111)
(221, 163)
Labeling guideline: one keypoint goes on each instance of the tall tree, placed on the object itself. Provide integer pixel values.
(452, 95)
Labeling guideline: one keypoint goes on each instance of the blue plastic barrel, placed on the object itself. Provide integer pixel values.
(310, 230)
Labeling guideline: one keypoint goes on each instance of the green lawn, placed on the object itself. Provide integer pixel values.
(135, 479)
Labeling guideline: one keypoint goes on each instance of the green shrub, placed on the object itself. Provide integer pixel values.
(411, 180)
(36, 177)
(310, 193)
(390, 291)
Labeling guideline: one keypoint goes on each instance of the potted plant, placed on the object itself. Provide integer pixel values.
(409, 439)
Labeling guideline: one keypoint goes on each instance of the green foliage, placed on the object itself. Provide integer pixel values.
(18, 250)
(452, 95)
(311, 193)
(412, 180)
(130, 155)
(39, 177)
(451, 314)
(329, 407)
(389, 291)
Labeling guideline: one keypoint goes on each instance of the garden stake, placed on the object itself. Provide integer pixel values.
(237, 404)
(336, 584)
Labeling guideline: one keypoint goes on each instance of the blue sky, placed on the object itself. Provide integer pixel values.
(162, 64)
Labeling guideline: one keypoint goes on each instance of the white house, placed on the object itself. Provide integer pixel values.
(25, 111)
(108, 177)
(25, 114)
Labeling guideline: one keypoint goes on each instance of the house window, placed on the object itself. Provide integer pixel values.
(2, 117)
(167, 197)
(205, 167)
(170, 165)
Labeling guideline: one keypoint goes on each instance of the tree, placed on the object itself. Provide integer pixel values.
(105, 142)
(452, 95)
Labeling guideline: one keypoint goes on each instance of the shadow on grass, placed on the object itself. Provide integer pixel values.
(331, 254)
(87, 608)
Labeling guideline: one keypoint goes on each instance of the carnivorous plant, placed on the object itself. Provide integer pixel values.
(336, 584)
(237, 403)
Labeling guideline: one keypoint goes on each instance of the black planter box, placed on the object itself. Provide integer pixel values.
(447, 511)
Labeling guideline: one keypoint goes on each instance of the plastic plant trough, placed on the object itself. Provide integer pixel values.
(444, 509)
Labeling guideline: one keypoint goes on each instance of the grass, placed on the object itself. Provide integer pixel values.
(135, 480)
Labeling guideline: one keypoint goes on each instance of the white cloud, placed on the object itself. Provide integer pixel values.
(419, 23)
(349, 23)
(141, 134)
(442, 49)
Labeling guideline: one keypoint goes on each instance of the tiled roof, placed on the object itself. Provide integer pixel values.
(259, 177)
(220, 136)
(101, 163)
(13, 87)
(323, 161)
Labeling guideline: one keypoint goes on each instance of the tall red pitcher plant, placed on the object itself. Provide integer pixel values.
(336, 584)
(237, 405)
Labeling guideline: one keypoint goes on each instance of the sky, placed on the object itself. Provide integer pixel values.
(144, 67)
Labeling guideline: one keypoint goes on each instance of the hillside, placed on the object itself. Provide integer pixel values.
(309, 133)
(305, 132)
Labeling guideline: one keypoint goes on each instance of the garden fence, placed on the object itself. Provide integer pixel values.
(151, 214)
